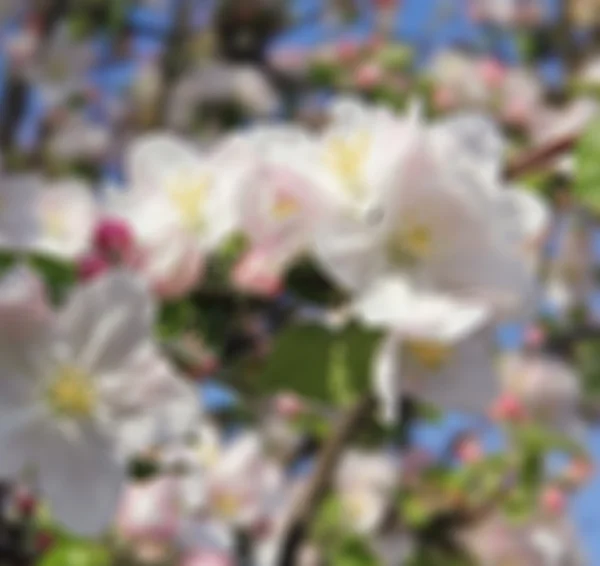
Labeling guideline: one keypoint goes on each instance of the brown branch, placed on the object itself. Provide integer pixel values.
(302, 515)
(538, 157)
(316, 490)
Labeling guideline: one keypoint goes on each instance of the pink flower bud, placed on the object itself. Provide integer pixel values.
(113, 239)
(492, 72)
(553, 500)
(91, 266)
(444, 99)
(207, 558)
(534, 337)
(254, 273)
(579, 471)
(470, 451)
(368, 76)
(508, 408)
(347, 51)
(289, 405)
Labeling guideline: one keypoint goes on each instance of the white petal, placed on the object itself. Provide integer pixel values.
(153, 160)
(18, 222)
(391, 303)
(467, 381)
(81, 480)
(20, 438)
(107, 320)
(387, 378)
(349, 252)
(67, 214)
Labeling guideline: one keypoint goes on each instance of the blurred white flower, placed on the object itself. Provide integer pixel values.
(53, 403)
(55, 219)
(547, 387)
(365, 483)
(243, 485)
(155, 407)
(439, 248)
(179, 208)
(277, 202)
(149, 511)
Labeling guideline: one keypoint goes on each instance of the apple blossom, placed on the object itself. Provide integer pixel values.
(54, 219)
(547, 388)
(365, 483)
(54, 406)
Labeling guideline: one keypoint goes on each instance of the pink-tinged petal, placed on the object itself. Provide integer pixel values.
(207, 558)
(91, 266)
(67, 215)
(24, 304)
(174, 265)
(492, 72)
(149, 510)
(368, 76)
(444, 99)
(256, 273)
(289, 405)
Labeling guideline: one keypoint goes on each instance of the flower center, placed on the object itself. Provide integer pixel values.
(71, 393)
(226, 504)
(345, 157)
(356, 505)
(189, 198)
(431, 355)
(54, 224)
(284, 207)
(410, 243)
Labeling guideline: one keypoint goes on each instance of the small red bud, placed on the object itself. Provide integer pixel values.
(113, 239)
(91, 266)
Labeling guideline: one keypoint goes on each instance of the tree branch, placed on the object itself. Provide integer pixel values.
(316, 490)
(538, 157)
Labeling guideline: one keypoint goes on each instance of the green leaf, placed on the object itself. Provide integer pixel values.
(339, 376)
(59, 276)
(301, 357)
(77, 553)
(415, 511)
(587, 167)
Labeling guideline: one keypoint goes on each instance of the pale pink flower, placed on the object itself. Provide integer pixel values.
(289, 405)
(347, 51)
(24, 303)
(492, 72)
(368, 76)
(149, 510)
(553, 500)
(207, 558)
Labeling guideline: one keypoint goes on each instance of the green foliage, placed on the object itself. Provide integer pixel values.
(59, 276)
(341, 547)
(395, 57)
(301, 358)
(339, 375)
(587, 178)
(77, 552)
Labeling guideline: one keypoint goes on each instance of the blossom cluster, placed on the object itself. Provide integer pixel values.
(412, 222)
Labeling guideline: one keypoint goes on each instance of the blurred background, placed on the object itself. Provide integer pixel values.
(79, 79)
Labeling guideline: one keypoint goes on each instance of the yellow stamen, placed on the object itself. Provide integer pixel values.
(413, 242)
(54, 223)
(71, 393)
(346, 156)
(431, 355)
(285, 207)
(189, 196)
(226, 504)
